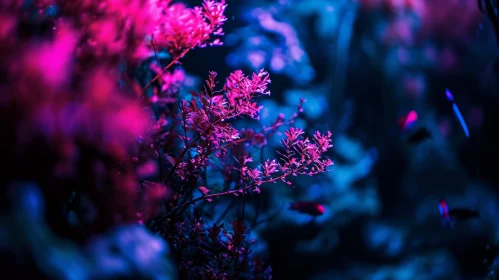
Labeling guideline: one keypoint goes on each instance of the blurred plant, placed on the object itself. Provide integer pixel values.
(270, 40)
(489, 8)
(435, 264)
(125, 252)
(108, 149)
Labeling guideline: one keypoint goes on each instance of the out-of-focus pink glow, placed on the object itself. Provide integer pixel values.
(408, 120)
(451, 18)
(53, 60)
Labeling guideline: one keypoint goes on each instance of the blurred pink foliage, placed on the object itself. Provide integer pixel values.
(124, 28)
(62, 84)
(425, 28)
(457, 19)
(181, 28)
(170, 80)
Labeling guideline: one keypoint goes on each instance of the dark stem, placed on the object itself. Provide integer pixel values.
(162, 71)
(155, 53)
(181, 206)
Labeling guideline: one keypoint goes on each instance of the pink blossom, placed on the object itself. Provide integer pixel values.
(323, 141)
(270, 167)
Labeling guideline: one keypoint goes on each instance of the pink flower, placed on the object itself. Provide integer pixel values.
(323, 141)
(270, 167)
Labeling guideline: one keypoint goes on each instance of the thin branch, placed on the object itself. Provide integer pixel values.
(183, 205)
(175, 60)
(160, 162)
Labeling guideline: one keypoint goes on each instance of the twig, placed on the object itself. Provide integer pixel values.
(160, 162)
(163, 70)
(183, 205)
(155, 53)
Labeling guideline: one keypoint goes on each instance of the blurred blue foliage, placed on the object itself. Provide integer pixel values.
(126, 252)
(437, 264)
(269, 41)
(386, 239)
(370, 67)
(315, 105)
